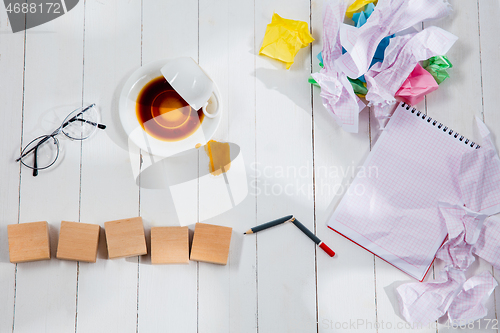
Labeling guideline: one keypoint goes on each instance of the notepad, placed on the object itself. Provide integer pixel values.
(392, 207)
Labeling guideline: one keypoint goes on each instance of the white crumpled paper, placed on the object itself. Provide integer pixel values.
(470, 232)
(336, 90)
(389, 17)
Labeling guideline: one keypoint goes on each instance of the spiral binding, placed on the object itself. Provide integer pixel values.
(440, 125)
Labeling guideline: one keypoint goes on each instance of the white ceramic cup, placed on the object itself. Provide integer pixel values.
(192, 84)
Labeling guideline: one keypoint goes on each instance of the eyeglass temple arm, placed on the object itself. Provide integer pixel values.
(74, 118)
(35, 162)
(100, 126)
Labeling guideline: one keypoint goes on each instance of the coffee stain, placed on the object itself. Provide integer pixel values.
(219, 154)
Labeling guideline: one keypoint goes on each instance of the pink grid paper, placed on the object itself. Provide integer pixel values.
(397, 216)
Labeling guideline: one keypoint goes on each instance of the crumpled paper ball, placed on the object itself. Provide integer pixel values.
(418, 84)
(356, 6)
(437, 67)
(284, 38)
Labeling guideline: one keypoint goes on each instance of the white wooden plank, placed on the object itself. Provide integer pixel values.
(286, 258)
(170, 29)
(46, 291)
(388, 278)
(11, 95)
(346, 286)
(228, 294)
(490, 70)
(459, 98)
(107, 290)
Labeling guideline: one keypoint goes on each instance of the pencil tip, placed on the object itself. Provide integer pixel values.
(244, 233)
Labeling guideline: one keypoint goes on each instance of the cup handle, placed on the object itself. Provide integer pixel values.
(212, 108)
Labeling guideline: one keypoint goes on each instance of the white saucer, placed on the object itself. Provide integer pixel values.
(134, 130)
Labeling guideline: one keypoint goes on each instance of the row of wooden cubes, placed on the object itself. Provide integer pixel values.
(125, 238)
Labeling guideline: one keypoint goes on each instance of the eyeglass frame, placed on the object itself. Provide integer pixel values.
(53, 135)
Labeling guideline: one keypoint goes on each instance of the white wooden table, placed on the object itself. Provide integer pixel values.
(275, 281)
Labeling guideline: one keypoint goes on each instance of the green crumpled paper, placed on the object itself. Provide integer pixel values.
(437, 66)
(312, 81)
(358, 86)
(284, 38)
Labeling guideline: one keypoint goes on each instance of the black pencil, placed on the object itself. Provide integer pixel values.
(269, 224)
(312, 236)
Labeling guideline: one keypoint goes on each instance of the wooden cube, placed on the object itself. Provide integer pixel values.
(78, 241)
(125, 238)
(211, 243)
(169, 245)
(28, 241)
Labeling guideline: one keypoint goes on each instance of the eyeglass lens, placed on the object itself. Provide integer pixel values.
(81, 123)
(45, 150)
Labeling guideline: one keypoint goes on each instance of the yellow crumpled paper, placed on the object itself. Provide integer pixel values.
(356, 6)
(284, 38)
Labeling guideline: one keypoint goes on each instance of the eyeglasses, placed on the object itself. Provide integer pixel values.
(42, 152)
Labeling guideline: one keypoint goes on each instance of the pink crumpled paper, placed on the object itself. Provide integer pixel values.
(470, 231)
(416, 86)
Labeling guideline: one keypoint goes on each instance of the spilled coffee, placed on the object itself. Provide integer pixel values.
(163, 113)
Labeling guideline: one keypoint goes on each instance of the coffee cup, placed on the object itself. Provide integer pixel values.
(165, 125)
(192, 84)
